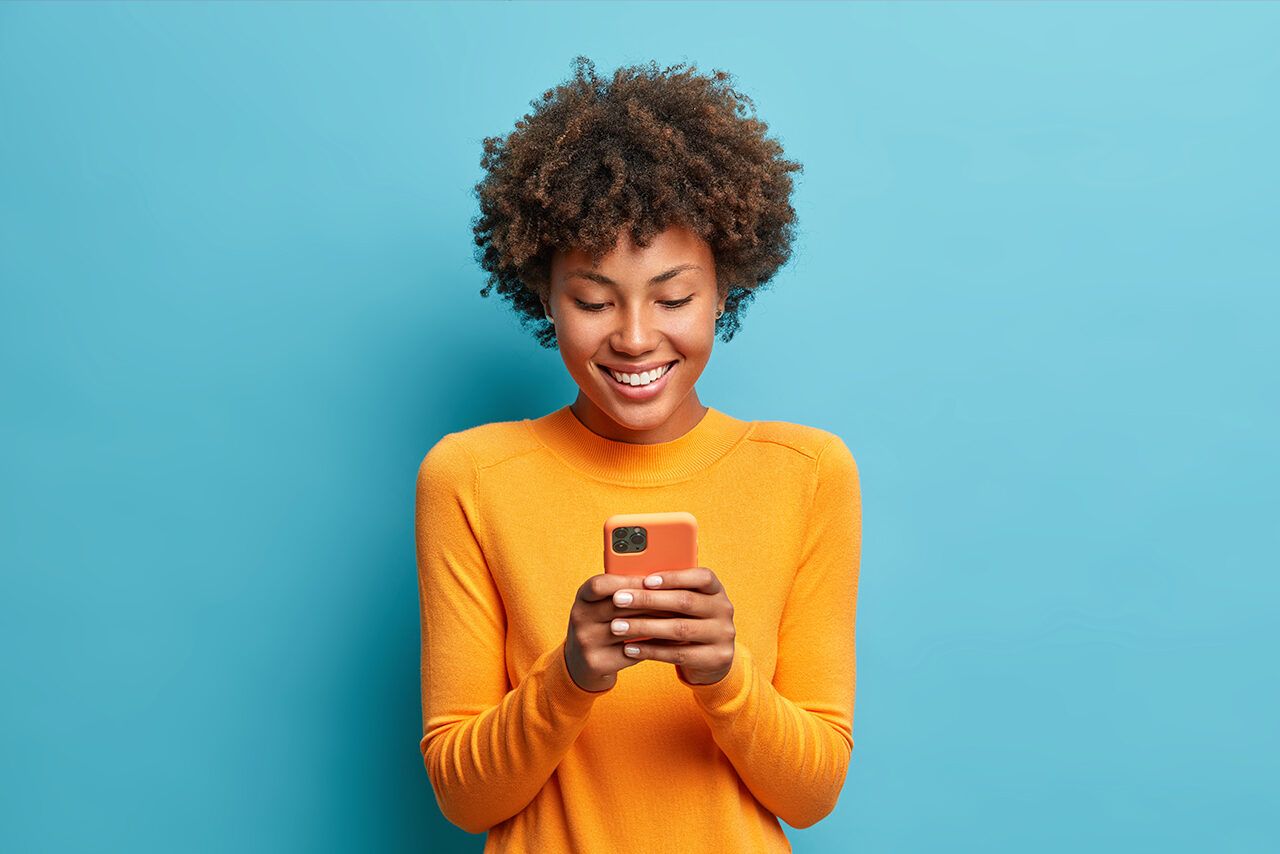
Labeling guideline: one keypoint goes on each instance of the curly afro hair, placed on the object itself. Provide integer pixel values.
(645, 151)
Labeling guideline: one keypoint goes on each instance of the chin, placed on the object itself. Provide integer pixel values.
(639, 417)
(634, 417)
(648, 422)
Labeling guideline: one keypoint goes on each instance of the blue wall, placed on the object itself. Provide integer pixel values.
(1035, 290)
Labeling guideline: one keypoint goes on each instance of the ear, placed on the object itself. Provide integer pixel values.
(546, 306)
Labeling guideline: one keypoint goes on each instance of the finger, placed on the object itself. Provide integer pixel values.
(663, 628)
(692, 602)
(602, 586)
(698, 578)
(696, 656)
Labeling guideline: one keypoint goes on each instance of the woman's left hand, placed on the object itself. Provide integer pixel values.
(698, 638)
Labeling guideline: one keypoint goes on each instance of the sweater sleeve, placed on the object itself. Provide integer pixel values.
(790, 740)
(487, 747)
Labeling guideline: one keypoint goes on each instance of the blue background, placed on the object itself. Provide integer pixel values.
(1034, 289)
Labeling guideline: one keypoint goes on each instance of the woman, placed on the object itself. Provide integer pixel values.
(628, 221)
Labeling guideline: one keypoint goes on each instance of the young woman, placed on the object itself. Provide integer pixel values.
(628, 221)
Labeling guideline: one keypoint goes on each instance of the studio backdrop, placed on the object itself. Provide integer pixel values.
(1034, 289)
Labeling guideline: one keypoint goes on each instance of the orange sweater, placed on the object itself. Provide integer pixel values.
(509, 521)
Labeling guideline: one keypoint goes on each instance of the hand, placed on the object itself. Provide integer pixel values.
(592, 653)
(701, 646)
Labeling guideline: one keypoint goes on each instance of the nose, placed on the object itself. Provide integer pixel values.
(636, 332)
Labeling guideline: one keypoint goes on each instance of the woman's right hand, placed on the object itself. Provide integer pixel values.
(592, 652)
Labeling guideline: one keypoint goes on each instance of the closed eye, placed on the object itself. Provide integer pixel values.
(599, 306)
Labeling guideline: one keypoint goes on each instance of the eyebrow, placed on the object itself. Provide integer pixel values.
(605, 280)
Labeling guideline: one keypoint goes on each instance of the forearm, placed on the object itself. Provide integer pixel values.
(487, 767)
(488, 748)
(793, 759)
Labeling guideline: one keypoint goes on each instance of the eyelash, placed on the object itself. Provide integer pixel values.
(598, 306)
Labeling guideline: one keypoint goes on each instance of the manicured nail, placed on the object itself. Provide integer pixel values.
(622, 597)
(631, 650)
(653, 581)
(619, 627)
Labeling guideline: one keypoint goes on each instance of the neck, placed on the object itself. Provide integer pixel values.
(638, 464)
(685, 417)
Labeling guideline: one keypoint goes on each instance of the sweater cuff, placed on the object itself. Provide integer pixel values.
(732, 687)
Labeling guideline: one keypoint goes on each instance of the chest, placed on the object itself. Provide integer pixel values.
(542, 546)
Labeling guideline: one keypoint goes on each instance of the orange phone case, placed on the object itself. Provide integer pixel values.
(670, 541)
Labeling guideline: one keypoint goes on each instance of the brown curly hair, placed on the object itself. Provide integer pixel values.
(645, 151)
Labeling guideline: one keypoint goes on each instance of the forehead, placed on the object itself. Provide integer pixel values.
(675, 246)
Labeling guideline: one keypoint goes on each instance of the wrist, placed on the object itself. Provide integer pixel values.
(583, 681)
(697, 678)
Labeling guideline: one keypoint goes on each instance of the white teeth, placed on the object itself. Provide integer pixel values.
(639, 379)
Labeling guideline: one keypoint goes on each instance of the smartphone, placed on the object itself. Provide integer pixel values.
(645, 543)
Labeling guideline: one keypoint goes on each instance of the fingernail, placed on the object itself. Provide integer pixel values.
(622, 597)
(631, 650)
(653, 581)
(619, 626)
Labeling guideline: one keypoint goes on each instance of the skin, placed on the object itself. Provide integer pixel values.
(631, 309)
(633, 322)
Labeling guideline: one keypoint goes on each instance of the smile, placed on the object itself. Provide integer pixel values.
(640, 379)
(642, 386)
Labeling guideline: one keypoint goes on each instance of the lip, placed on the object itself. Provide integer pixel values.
(636, 369)
(644, 392)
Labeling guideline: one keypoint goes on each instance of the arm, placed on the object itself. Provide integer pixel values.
(790, 740)
(488, 749)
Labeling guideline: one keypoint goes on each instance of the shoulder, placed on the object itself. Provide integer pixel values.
(822, 459)
(812, 442)
(821, 454)
(479, 447)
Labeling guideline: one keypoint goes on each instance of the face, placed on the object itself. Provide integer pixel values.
(639, 310)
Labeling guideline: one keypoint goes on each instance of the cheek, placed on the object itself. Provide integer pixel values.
(694, 338)
(577, 341)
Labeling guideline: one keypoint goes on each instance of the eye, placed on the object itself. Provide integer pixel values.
(676, 303)
(589, 306)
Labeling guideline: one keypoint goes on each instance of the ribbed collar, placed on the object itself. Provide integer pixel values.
(623, 462)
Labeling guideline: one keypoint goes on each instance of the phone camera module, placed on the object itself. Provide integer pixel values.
(629, 539)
